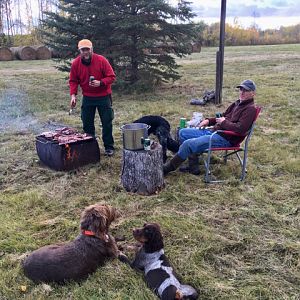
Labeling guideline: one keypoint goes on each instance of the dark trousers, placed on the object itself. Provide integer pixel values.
(106, 113)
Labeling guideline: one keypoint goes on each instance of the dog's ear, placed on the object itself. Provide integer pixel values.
(154, 238)
(112, 214)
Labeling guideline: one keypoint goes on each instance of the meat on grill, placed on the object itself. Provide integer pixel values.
(65, 135)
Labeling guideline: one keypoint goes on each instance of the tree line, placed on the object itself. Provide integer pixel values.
(22, 16)
(236, 35)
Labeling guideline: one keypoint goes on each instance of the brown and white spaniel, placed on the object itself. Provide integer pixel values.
(159, 274)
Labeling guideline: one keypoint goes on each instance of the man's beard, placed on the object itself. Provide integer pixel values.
(86, 61)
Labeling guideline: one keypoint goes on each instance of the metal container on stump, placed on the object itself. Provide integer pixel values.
(133, 135)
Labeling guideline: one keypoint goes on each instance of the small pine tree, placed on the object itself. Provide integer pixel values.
(141, 38)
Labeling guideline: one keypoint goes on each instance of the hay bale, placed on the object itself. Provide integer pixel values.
(24, 53)
(6, 54)
(42, 52)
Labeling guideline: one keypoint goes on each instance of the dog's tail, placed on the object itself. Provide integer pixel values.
(172, 145)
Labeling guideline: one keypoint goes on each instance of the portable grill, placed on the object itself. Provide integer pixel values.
(64, 152)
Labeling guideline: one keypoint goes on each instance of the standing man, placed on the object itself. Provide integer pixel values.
(95, 75)
(238, 117)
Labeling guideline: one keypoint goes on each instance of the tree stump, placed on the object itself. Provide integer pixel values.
(142, 171)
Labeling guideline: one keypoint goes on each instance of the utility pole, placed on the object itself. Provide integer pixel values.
(220, 55)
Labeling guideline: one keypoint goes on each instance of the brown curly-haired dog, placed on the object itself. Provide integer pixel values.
(77, 259)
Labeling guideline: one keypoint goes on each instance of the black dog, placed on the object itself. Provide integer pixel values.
(159, 274)
(160, 127)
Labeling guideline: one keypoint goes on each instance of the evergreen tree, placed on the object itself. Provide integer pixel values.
(141, 38)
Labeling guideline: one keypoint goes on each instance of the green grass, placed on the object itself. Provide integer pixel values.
(231, 241)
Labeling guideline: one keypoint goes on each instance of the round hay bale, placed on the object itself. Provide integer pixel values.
(6, 54)
(24, 53)
(42, 52)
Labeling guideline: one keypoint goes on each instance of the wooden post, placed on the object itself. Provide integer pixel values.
(142, 171)
(218, 84)
(220, 55)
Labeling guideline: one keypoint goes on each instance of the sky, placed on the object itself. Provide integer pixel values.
(266, 14)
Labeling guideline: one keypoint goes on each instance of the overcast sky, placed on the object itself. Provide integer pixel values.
(265, 13)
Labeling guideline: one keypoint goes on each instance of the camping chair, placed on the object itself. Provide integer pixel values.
(230, 151)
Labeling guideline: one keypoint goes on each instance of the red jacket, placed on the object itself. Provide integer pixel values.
(99, 68)
(239, 117)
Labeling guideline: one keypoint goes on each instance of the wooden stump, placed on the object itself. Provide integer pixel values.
(142, 171)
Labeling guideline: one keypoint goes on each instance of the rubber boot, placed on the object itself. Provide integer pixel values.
(193, 165)
(184, 168)
(172, 164)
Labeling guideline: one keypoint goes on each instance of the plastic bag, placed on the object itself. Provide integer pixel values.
(196, 119)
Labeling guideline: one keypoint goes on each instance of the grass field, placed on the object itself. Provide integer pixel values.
(231, 241)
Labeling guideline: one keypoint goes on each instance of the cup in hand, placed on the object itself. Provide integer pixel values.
(92, 78)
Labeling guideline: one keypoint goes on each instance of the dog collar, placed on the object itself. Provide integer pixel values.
(88, 232)
(92, 233)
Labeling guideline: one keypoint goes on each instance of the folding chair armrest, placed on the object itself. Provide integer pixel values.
(230, 132)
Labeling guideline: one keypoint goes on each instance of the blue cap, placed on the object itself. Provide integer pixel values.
(248, 85)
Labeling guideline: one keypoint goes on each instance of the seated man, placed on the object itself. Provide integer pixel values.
(238, 117)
